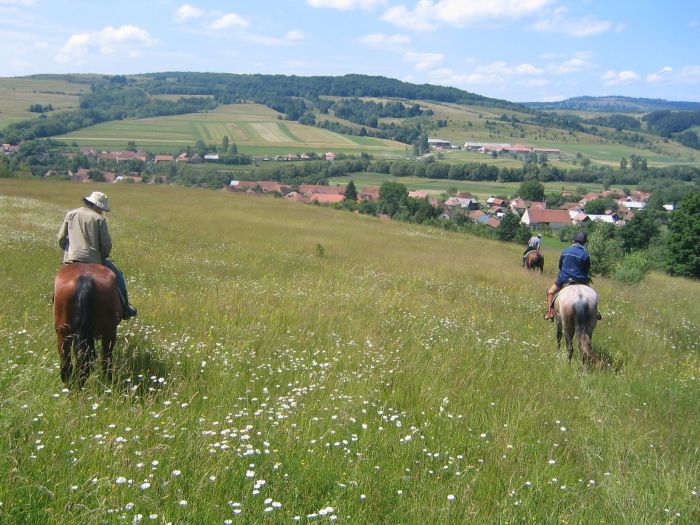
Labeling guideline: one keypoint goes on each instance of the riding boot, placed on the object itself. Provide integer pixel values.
(128, 311)
(549, 316)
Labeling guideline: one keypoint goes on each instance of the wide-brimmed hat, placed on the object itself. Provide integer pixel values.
(99, 199)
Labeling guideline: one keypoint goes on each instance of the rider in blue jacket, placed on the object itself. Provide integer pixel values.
(574, 268)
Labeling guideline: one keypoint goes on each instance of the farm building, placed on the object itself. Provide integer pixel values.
(534, 218)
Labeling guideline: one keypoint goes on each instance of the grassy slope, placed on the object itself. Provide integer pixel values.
(17, 94)
(405, 364)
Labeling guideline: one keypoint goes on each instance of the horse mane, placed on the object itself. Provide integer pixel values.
(84, 325)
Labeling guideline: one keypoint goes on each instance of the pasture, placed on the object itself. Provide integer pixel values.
(293, 363)
(254, 128)
(482, 189)
(17, 94)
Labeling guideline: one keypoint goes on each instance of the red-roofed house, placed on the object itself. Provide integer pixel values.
(309, 189)
(554, 218)
(162, 158)
(324, 198)
(368, 194)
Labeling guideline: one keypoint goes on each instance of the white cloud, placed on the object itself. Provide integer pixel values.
(382, 40)
(498, 73)
(402, 17)
(346, 5)
(187, 11)
(428, 14)
(668, 75)
(25, 3)
(580, 61)
(295, 35)
(127, 39)
(662, 74)
(228, 21)
(423, 61)
(559, 22)
(614, 78)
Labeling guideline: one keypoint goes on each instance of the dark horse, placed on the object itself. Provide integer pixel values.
(534, 260)
(86, 306)
(575, 310)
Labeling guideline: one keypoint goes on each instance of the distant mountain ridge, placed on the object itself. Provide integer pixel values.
(616, 104)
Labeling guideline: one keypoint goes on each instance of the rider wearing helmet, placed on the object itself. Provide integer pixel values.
(574, 268)
(84, 237)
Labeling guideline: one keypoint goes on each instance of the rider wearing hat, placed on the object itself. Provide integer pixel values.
(532, 244)
(84, 237)
(574, 268)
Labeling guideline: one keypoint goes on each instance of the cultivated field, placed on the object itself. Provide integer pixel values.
(254, 128)
(296, 363)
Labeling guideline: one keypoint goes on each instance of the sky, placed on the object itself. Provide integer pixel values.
(518, 50)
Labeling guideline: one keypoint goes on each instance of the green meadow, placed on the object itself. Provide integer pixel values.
(17, 94)
(294, 363)
(482, 189)
(254, 128)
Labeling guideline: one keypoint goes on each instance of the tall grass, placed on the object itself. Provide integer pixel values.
(401, 375)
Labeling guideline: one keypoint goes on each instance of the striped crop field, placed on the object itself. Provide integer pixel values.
(252, 127)
(299, 364)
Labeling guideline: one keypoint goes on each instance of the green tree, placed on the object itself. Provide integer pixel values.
(638, 233)
(224, 144)
(511, 229)
(623, 163)
(350, 193)
(684, 238)
(531, 190)
(131, 146)
(4, 167)
(392, 197)
(598, 206)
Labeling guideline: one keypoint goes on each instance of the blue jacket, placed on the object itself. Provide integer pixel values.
(574, 265)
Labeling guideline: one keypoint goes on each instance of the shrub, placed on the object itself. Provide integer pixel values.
(605, 252)
(633, 267)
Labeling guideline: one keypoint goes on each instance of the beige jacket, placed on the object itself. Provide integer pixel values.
(84, 236)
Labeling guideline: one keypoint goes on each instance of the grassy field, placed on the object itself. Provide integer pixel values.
(17, 94)
(254, 128)
(482, 189)
(296, 363)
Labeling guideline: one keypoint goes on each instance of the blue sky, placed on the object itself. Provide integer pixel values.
(520, 50)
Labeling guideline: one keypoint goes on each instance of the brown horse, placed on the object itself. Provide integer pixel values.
(534, 260)
(86, 306)
(575, 309)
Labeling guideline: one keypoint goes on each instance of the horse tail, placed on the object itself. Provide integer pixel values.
(582, 315)
(84, 325)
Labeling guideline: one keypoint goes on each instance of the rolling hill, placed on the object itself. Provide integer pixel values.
(275, 114)
(615, 104)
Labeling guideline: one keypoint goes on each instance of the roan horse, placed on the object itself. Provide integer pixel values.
(86, 306)
(534, 260)
(575, 309)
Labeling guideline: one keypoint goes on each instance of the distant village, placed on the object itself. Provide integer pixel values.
(535, 215)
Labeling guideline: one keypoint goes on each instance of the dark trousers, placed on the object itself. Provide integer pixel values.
(121, 283)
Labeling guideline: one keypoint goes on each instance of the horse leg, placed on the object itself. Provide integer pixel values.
(559, 333)
(569, 338)
(584, 342)
(85, 352)
(108, 342)
(64, 350)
